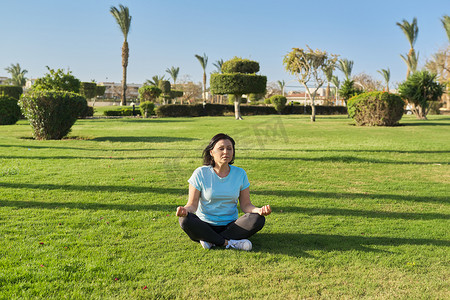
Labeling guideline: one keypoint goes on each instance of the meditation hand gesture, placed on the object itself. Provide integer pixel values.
(265, 210)
(181, 211)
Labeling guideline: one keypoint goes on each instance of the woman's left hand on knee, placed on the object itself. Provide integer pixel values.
(265, 210)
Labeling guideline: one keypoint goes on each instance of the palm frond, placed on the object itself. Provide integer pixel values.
(346, 67)
(123, 18)
(411, 30)
(173, 72)
(218, 64)
(203, 60)
(446, 23)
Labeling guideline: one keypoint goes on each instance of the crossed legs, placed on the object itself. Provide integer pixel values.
(242, 228)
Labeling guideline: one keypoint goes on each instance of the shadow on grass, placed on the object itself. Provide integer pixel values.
(284, 193)
(154, 120)
(316, 211)
(88, 206)
(296, 244)
(146, 139)
(424, 124)
(181, 191)
(348, 159)
(109, 157)
(331, 159)
(329, 195)
(115, 149)
(354, 151)
(97, 188)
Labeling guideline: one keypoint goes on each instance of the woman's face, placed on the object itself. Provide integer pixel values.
(222, 152)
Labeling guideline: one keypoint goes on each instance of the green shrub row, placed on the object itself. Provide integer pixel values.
(9, 111)
(198, 110)
(122, 112)
(11, 91)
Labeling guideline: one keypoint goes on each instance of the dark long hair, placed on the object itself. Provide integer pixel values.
(207, 158)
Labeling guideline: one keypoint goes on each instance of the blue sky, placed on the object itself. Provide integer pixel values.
(83, 36)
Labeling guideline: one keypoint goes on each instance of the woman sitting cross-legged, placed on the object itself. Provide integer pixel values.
(211, 214)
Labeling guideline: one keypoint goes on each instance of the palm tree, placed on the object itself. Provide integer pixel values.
(123, 19)
(173, 72)
(281, 84)
(411, 62)
(203, 60)
(346, 67)
(411, 31)
(154, 81)
(446, 23)
(218, 64)
(387, 76)
(335, 81)
(17, 75)
(329, 75)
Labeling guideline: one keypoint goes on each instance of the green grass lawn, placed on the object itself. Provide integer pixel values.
(358, 212)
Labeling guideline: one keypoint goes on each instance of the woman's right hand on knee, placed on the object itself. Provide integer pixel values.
(181, 211)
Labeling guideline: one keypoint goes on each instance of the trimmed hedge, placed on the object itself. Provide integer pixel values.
(176, 93)
(237, 84)
(279, 102)
(149, 93)
(124, 112)
(112, 113)
(88, 89)
(198, 110)
(100, 90)
(87, 112)
(164, 86)
(11, 91)
(240, 65)
(9, 111)
(146, 108)
(376, 109)
(52, 113)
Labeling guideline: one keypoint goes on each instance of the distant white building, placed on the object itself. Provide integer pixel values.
(29, 83)
(3, 80)
(114, 90)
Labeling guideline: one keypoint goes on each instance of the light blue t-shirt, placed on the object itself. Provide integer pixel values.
(218, 196)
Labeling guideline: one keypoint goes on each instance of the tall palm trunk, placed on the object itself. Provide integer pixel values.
(327, 92)
(125, 52)
(204, 87)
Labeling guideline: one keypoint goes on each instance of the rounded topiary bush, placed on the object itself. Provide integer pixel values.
(149, 93)
(9, 111)
(52, 113)
(279, 102)
(240, 65)
(146, 108)
(376, 109)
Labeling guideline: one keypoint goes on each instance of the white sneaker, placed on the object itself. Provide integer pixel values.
(240, 244)
(206, 245)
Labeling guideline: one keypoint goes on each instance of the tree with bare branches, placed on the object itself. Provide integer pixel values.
(309, 65)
